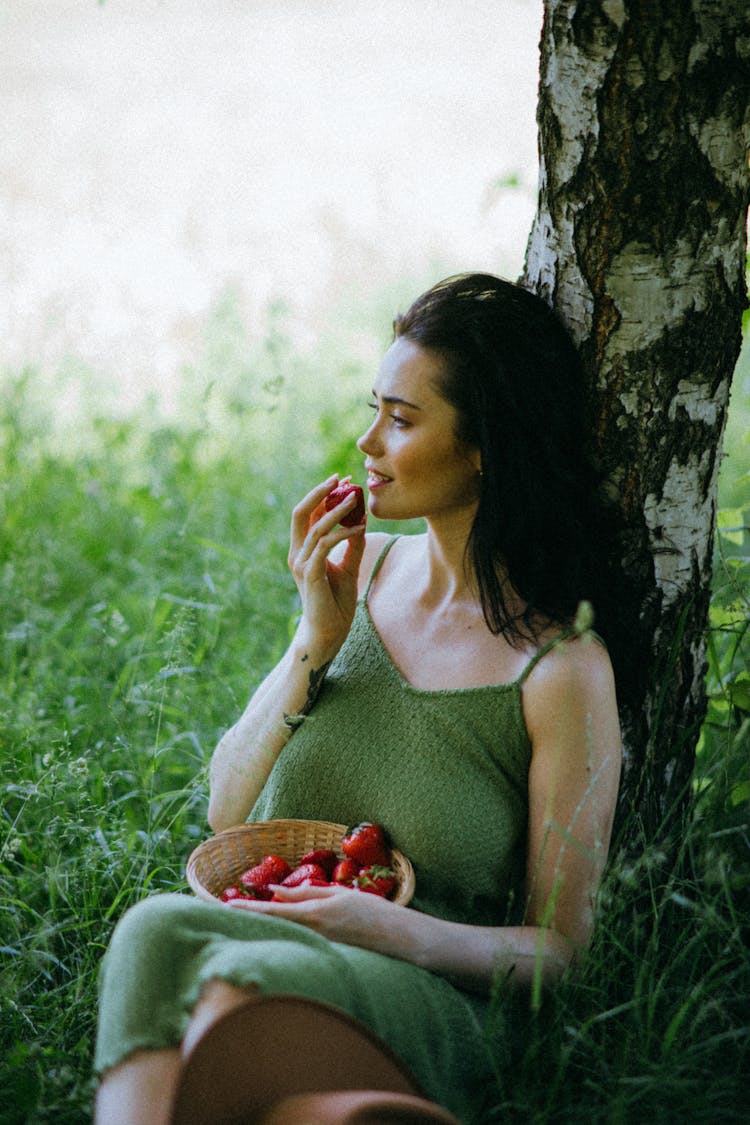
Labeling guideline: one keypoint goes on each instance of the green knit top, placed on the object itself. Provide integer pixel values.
(445, 771)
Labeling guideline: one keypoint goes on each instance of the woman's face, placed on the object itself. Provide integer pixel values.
(416, 466)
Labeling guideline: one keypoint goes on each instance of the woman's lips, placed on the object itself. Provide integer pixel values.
(376, 480)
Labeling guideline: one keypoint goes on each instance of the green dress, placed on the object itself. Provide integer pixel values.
(445, 772)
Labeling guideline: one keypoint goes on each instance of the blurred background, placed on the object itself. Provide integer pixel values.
(169, 164)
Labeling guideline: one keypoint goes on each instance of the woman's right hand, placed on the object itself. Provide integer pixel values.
(328, 588)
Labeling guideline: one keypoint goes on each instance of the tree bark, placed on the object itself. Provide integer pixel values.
(639, 242)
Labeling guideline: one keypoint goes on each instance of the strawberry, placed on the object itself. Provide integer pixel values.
(276, 867)
(256, 880)
(367, 844)
(263, 894)
(346, 871)
(339, 494)
(376, 880)
(303, 874)
(324, 857)
(231, 893)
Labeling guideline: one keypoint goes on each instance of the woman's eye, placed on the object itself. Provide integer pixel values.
(397, 419)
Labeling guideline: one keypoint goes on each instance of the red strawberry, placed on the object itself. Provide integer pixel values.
(263, 894)
(346, 872)
(324, 857)
(376, 880)
(276, 867)
(339, 494)
(303, 874)
(271, 869)
(367, 843)
(231, 893)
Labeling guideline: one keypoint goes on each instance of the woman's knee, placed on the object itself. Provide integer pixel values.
(150, 926)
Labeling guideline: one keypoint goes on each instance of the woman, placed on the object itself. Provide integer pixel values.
(435, 685)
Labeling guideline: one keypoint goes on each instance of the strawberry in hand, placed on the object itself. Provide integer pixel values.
(337, 496)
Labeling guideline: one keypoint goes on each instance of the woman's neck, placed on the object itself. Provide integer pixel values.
(448, 578)
(448, 573)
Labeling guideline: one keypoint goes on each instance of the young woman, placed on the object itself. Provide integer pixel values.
(436, 685)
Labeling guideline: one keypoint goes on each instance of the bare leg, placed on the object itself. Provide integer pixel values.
(216, 999)
(140, 1090)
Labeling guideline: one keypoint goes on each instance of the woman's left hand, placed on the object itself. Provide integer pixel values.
(338, 913)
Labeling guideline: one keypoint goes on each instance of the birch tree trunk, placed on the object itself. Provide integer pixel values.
(639, 242)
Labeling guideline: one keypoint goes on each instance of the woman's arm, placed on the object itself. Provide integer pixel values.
(570, 710)
(246, 754)
(571, 714)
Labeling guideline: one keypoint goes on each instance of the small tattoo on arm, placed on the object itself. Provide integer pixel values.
(317, 675)
(315, 682)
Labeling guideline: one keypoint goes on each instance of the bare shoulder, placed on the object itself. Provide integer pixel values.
(375, 541)
(578, 661)
(373, 546)
(573, 679)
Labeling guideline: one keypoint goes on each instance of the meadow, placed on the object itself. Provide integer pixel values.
(144, 593)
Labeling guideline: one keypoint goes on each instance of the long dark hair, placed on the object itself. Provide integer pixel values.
(515, 379)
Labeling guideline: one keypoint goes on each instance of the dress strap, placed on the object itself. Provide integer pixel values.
(378, 563)
(543, 652)
(550, 645)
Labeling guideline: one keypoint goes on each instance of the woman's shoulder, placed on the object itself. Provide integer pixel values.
(569, 667)
(566, 659)
(378, 542)
(573, 677)
(375, 544)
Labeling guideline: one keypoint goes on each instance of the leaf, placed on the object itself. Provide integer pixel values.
(732, 524)
(739, 692)
(741, 793)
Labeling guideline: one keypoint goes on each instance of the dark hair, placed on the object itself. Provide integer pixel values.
(515, 378)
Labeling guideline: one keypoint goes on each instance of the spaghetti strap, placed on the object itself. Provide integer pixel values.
(543, 652)
(378, 563)
(559, 639)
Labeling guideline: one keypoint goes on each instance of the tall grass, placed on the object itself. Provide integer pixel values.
(143, 594)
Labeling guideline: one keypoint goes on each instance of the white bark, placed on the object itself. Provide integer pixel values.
(639, 243)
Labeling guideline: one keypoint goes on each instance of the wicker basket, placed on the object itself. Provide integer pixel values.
(219, 861)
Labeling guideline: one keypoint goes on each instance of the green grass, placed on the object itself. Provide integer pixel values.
(143, 594)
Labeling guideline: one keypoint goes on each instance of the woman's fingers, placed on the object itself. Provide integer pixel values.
(355, 549)
(287, 897)
(327, 587)
(313, 525)
(316, 547)
(304, 513)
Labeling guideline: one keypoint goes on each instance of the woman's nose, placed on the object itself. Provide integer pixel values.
(367, 443)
